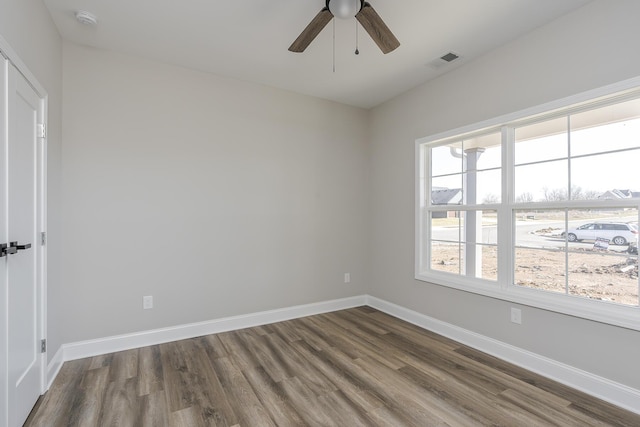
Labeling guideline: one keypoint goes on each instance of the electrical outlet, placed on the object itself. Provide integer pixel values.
(516, 315)
(147, 302)
(347, 277)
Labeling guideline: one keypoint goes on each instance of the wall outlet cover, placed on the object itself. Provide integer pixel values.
(516, 316)
(147, 302)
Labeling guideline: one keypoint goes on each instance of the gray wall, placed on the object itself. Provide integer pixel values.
(29, 30)
(589, 48)
(215, 196)
(222, 198)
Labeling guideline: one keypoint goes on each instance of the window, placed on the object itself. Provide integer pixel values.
(540, 209)
(465, 182)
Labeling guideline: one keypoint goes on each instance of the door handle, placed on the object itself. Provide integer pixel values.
(19, 247)
(4, 250)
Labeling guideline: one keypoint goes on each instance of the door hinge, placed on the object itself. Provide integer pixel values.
(43, 346)
(42, 130)
(43, 238)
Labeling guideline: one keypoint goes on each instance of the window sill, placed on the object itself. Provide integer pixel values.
(598, 311)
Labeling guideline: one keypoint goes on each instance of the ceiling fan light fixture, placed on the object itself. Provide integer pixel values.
(344, 8)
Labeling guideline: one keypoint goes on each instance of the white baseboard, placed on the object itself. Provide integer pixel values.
(602, 388)
(90, 348)
(54, 366)
(607, 390)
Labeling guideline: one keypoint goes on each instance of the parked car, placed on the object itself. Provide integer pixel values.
(618, 233)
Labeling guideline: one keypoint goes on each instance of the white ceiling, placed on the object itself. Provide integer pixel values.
(248, 40)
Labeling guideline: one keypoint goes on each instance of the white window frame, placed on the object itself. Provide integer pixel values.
(503, 289)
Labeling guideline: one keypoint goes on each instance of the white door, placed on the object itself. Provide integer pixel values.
(22, 195)
(3, 239)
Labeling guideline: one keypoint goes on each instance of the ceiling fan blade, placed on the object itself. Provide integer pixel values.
(313, 29)
(377, 29)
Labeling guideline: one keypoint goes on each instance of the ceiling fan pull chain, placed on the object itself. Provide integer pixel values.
(334, 45)
(357, 52)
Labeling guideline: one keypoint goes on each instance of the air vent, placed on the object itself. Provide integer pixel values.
(443, 60)
(449, 57)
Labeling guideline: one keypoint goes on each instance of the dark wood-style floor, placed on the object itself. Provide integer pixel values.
(356, 367)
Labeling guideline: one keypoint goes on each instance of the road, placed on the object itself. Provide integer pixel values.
(526, 236)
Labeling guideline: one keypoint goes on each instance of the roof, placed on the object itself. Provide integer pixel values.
(620, 194)
(446, 196)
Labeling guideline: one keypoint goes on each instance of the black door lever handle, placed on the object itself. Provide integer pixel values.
(19, 247)
(4, 250)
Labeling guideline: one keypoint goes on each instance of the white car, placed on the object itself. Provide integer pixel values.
(618, 233)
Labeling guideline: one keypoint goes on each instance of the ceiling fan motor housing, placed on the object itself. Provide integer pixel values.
(344, 8)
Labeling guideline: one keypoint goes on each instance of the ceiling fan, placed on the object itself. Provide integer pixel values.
(363, 12)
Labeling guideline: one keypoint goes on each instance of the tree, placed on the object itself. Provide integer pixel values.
(554, 194)
(490, 198)
(591, 194)
(576, 193)
(525, 197)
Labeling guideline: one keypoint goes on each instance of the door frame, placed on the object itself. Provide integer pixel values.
(6, 52)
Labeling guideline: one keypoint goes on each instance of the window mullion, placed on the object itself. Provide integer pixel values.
(566, 211)
(505, 213)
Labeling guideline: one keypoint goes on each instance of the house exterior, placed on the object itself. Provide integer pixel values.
(446, 196)
(619, 194)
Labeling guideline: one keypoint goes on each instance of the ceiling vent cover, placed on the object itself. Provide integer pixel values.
(443, 60)
(449, 57)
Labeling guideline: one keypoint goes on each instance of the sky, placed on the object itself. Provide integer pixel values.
(541, 162)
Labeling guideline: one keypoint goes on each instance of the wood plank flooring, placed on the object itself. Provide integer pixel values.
(356, 367)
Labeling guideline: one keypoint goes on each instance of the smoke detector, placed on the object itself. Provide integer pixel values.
(86, 18)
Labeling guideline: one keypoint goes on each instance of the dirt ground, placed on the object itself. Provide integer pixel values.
(593, 274)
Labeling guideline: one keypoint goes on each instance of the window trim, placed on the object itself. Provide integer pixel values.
(600, 311)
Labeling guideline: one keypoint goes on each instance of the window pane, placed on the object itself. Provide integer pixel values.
(488, 186)
(453, 258)
(602, 263)
(465, 243)
(542, 141)
(597, 275)
(597, 267)
(605, 174)
(489, 262)
(540, 249)
(543, 228)
(445, 256)
(446, 159)
(543, 181)
(609, 128)
(492, 155)
(446, 226)
(478, 259)
(446, 190)
(540, 269)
